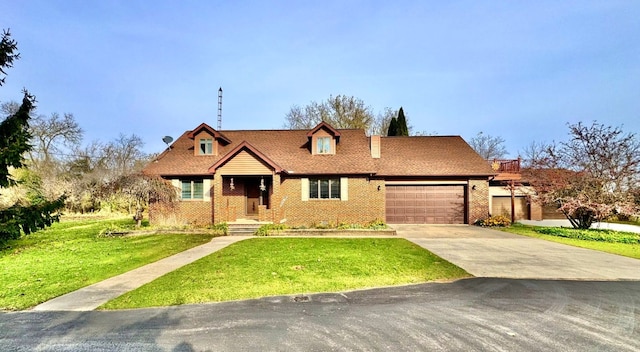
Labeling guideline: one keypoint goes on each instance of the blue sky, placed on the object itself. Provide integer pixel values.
(521, 70)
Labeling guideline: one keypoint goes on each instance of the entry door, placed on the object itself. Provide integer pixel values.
(253, 197)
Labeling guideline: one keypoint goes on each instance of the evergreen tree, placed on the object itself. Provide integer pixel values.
(403, 130)
(14, 143)
(393, 127)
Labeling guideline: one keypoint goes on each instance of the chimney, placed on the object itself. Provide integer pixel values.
(375, 146)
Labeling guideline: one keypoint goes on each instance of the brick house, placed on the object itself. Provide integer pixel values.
(322, 175)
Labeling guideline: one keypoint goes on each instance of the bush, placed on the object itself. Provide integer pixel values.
(494, 221)
(599, 235)
(269, 229)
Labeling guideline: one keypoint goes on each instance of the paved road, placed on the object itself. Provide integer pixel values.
(490, 253)
(476, 314)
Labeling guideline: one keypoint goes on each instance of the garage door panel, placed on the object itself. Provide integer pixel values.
(425, 204)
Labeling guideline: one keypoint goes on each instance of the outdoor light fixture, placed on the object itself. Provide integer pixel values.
(231, 186)
(262, 186)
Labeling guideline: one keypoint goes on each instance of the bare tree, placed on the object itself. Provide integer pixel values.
(533, 152)
(53, 136)
(380, 124)
(340, 111)
(125, 155)
(591, 176)
(489, 147)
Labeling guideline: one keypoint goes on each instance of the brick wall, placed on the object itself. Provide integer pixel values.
(478, 200)
(365, 203)
(181, 213)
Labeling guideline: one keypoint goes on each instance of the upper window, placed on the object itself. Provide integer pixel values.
(323, 145)
(324, 188)
(206, 146)
(192, 189)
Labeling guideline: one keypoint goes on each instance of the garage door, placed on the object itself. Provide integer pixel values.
(425, 204)
(502, 206)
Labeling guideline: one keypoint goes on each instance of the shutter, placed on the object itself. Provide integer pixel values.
(176, 183)
(304, 189)
(344, 188)
(206, 192)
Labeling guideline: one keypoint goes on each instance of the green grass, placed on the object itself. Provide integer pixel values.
(71, 255)
(278, 266)
(621, 243)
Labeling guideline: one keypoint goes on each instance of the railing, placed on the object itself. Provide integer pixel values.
(505, 166)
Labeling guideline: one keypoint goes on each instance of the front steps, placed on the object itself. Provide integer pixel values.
(244, 227)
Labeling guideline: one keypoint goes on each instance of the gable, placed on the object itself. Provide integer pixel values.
(244, 163)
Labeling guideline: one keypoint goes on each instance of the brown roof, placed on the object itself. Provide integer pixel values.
(430, 156)
(289, 149)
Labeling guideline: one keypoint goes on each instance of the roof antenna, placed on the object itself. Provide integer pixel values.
(220, 108)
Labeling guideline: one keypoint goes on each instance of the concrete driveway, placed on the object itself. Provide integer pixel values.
(490, 253)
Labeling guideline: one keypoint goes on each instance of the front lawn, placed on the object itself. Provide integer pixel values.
(71, 255)
(622, 243)
(279, 266)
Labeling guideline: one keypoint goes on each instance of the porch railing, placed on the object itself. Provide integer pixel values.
(511, 166)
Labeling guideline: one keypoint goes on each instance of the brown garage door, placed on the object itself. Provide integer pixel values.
(502, 206)
(425, 204)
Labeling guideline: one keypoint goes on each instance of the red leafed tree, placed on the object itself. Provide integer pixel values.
(591, 176)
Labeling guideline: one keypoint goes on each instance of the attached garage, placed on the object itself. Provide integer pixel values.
(501, 205)
(425, 204)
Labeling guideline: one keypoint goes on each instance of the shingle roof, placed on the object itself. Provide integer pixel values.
(287, 148)
(430, 156)
(290, 150)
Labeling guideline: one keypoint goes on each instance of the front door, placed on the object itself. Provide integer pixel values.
(253, 196)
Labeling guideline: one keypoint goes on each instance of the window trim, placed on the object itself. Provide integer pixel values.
(333, 185)
(323, 145)
(207, 145)
(192, 189)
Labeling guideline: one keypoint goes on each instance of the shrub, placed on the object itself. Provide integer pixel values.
(494, 221)
(600, 235)
(221, 228)
(270, 229)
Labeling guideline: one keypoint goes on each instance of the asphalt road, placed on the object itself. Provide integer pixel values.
(479, 314)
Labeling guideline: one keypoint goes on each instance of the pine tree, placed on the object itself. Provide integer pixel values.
(14, 143)
(393, 127)
(403, 130)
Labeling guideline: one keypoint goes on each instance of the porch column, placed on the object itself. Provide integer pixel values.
(216, 199)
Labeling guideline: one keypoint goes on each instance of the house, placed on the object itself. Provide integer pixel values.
(321, 175)
(512, 196)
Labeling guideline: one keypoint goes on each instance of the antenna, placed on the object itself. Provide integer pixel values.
(220, 108)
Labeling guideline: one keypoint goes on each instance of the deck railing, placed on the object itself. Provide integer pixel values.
(511, 166)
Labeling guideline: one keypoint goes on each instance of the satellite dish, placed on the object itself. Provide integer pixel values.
(167, 139)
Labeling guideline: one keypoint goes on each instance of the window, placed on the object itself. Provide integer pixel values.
(324, 188)
(206, 146)
(192, 189)
(324, 145)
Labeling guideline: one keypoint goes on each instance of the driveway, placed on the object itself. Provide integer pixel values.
(490, 253)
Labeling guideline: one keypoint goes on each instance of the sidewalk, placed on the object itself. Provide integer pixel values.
(91, 297)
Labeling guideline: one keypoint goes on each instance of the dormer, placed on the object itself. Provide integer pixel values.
(323, 139)
(206, 140)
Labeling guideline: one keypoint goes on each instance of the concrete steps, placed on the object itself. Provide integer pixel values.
(243, 228)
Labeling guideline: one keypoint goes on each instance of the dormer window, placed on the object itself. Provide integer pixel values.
(324, 145)
(323, 139)
(206, 146)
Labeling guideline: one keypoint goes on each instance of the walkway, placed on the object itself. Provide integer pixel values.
(93, 296)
